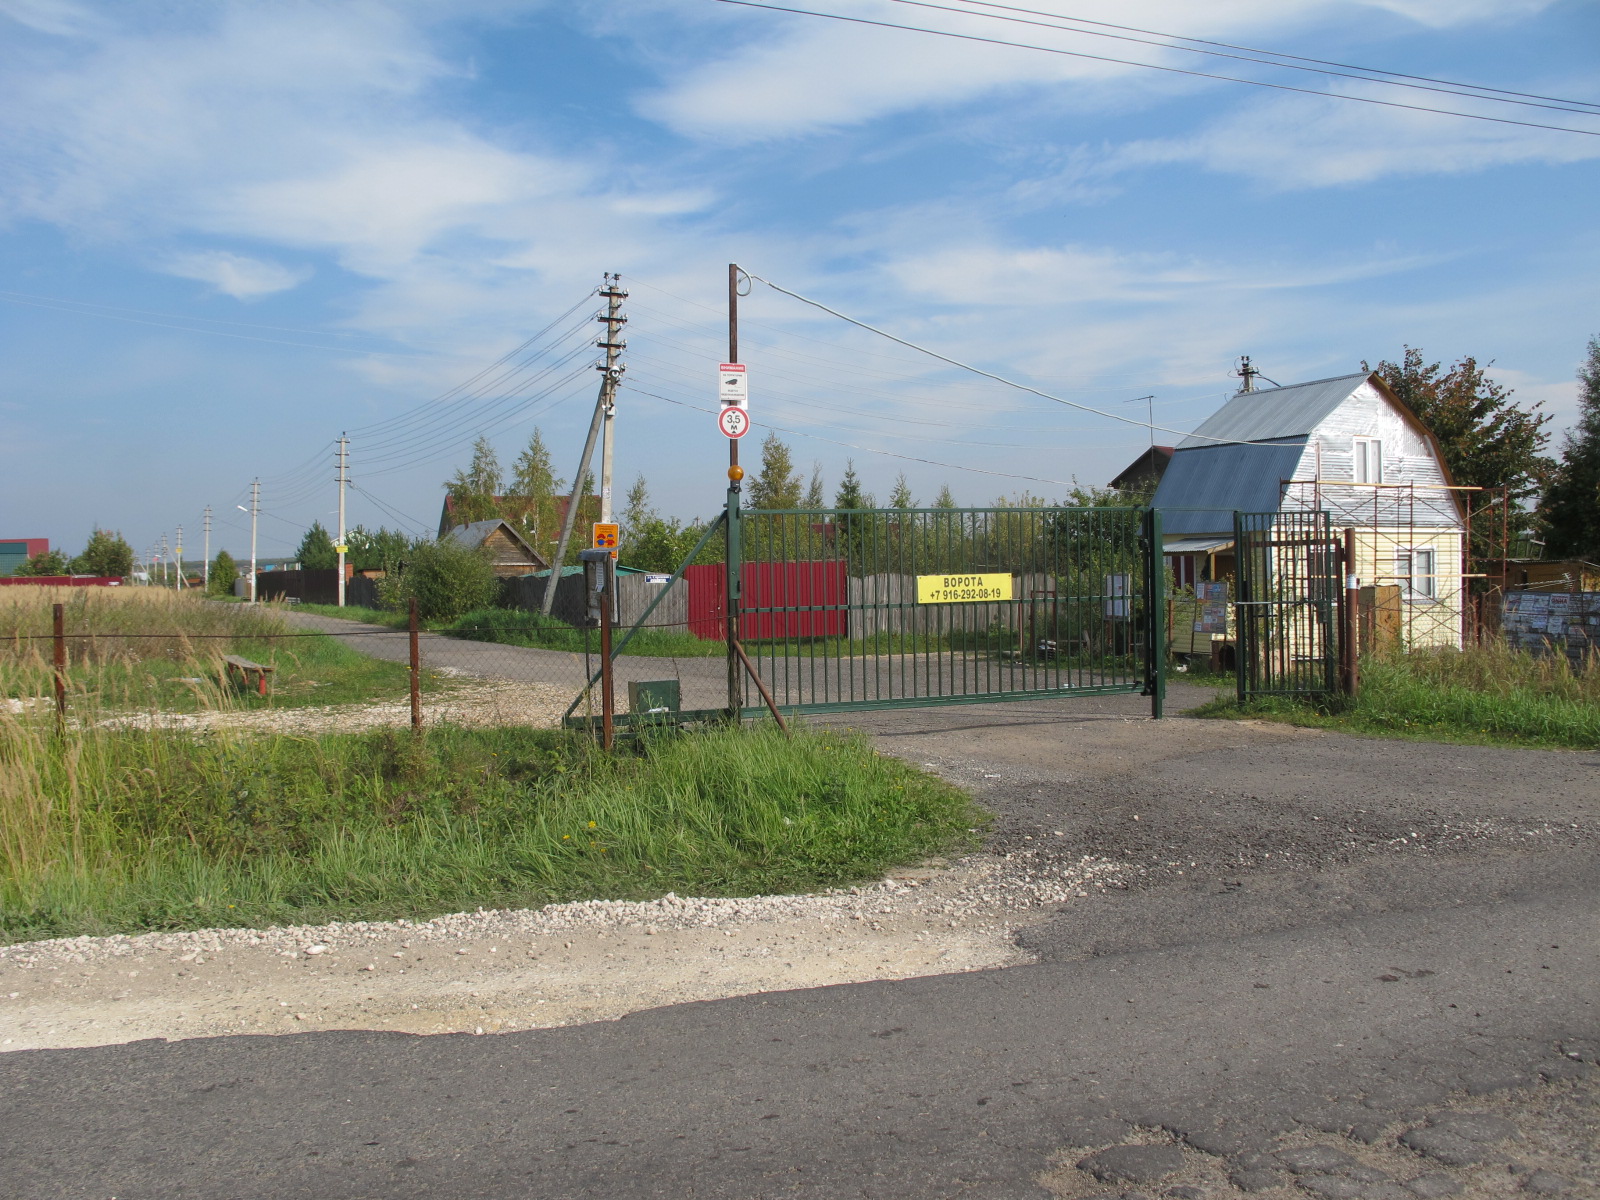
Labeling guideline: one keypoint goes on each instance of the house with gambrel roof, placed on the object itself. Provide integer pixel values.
(1348, 446)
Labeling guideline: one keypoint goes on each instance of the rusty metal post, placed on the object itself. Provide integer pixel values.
(1349, 650)
(608, 733)
(416, 670)
(60, 659)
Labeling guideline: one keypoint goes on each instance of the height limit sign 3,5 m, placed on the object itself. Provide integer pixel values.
(733, 391)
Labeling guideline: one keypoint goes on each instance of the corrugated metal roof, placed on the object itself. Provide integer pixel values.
(1204, 487)
(1275, 413)
(1196, 545)
(473, 534)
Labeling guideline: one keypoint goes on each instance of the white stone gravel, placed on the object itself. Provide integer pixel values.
(978, 887)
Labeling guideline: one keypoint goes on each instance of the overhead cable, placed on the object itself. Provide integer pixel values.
(1126, 62)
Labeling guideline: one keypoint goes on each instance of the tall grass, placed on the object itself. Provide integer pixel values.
(1490, 693)
(124, 830)
(151, 648)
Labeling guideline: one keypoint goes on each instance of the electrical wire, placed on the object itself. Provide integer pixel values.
(1279, 54)
(854, 446)
(1099, 412)
(1280, 87)
(1328, 69)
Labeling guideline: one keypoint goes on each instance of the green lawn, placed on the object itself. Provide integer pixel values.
(157, 830)
(1485, 695)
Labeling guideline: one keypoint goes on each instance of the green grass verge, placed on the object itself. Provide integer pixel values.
(1483, 697)
(514, 627)
(155, 830)
(355, 612)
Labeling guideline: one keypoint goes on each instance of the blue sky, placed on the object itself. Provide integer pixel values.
(230, 231)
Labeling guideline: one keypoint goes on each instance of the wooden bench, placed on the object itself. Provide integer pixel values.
(248, 670)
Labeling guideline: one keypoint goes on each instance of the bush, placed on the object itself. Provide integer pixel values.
(447, 579)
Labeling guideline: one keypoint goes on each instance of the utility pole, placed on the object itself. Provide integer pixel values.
(734, 567)
(1247, 374)
(180, 557)
(613, 370)
(613, 345)
(205, 567)
(344, 477)
(166, 571)
(255, 515)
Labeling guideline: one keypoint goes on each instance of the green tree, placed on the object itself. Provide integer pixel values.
(532, 508)
(1570, 512)
(378, 549)
(223, 572)
(901, 496)
(814, 494)
(474, 492)
(107, 555)
(636, 511)
(51, 562)
(1487, 440)
(316, 552)
(778, 485)
(447, 579)
(850, 494)
(945, 498)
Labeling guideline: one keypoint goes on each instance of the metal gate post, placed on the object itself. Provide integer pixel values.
(1242, 626)
(1156, 618)
(730, 607)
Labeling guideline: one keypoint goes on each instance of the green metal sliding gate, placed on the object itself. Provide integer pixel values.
(890, 608)
(1286, 606)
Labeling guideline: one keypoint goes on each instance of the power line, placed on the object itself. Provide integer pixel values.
(1099, 412)
(1349, 72)
(1178, 37)
(854, 446)
(1280, 87)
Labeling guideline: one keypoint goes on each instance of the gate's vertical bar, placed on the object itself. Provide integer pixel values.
(416, 659)
(1352, 605)
(608, 696)
(1155, 566)
(58, 615)
(730, 607)
(1241, 608)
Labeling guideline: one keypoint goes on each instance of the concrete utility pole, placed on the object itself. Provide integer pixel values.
(205, 567)
(255, 515)
(613, 346)
(166, 571)
(1247, 374)
(180, 557)
(613, 370)
(344, 477)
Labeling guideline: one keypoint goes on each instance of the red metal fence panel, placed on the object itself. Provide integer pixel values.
(814, 596)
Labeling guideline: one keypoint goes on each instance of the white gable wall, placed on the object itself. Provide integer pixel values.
(1408, 457)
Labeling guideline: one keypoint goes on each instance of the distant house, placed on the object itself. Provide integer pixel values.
(16, 551)
(511, 553)
(1144, 472)
(1346, 445)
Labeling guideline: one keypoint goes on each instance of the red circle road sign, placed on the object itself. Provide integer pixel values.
(734, 422)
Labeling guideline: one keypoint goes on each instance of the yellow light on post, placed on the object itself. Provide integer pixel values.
(736, 473)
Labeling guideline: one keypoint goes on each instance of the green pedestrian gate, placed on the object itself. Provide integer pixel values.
(894, 608)
(1286, 604)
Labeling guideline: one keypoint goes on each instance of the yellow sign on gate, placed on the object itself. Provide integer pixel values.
(963, 589)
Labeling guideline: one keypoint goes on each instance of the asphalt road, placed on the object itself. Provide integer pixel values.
(1326, 941)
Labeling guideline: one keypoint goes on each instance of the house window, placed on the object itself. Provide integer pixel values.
(1368, 460)
(1414, 569)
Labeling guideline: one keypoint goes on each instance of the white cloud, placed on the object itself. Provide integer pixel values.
(236, 275)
